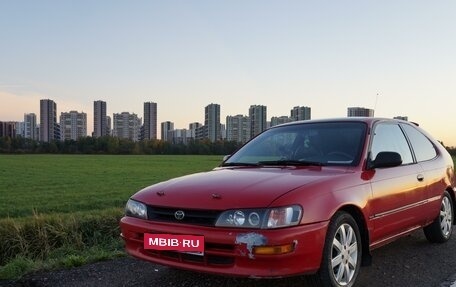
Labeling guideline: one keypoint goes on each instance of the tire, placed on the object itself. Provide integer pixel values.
(342, 252)
(439, 231)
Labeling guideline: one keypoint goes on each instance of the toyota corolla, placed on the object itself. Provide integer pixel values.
(310, 197)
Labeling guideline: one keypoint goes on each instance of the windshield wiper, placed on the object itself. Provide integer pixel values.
(291, 162)
(240, 164)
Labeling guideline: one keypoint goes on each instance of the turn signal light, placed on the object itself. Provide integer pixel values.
(273, 250)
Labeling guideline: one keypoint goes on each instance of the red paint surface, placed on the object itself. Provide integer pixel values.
(387, 202)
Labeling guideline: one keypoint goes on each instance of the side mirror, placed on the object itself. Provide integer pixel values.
(226, 157)
(386, 159)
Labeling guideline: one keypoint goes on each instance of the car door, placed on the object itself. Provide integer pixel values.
(434, 169)
(397, 192)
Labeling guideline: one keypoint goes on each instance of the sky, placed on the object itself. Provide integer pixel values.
(397, 57)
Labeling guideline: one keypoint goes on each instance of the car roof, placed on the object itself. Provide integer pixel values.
(367, 120)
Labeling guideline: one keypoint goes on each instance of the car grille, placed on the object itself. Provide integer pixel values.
(192, 216)
(220, 259)
(215, 254)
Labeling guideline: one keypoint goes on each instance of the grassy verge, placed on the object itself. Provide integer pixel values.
(58, 240)
(64, 211)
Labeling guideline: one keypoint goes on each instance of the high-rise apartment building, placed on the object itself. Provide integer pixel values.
(300, 113)
(109, 125)
(404, 118)
(223, 132)
(165, 128)
(257, 115)
(150, 121)
(8, 129)
(238, 128)
(73, 125)
(178, 136)
(212, 122)
(280, 120)
(30, 131)
(192, 128)
(359, 112)
(20, 129)
(49, 129)
(100, 120)
(202, 133)
(127, 126)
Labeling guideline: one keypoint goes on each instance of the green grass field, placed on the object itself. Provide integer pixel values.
(63, 210)
(69, 183)
(60, 211)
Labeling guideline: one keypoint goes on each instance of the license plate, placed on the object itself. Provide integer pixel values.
(191, 244)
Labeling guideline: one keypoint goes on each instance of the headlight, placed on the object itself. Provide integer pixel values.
(136, 209)
(261, 218)
(284, 216)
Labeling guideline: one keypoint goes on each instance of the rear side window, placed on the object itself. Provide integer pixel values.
(422, 146)
(389, 137)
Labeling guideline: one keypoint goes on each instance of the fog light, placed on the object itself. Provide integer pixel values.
(273, 250)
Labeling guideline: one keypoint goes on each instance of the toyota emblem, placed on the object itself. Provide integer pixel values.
(179, 215)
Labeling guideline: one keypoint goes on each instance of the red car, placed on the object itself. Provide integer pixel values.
(301, 198)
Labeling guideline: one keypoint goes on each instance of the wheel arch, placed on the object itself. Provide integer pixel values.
(358, 216)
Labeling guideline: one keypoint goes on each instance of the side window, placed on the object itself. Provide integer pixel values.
(422, 146)
(389, 137)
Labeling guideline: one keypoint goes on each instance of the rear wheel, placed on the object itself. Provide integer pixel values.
(342, 252)
(440, 230)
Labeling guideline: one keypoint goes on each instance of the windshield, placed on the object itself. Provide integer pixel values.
(328, 143)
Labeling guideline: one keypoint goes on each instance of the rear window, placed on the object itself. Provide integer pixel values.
(421, 145)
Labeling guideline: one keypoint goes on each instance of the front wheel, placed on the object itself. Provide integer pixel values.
(342, 252)
(440, 229)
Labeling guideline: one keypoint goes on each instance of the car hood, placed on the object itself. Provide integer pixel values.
(225, 188)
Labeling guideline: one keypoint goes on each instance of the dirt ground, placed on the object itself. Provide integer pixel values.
(410, 261)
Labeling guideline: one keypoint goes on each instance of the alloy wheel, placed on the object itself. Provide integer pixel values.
(446, 217)
(344, 259)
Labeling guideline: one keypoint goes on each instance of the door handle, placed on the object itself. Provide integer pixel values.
(420, 177)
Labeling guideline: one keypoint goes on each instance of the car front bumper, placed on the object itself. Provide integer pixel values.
(230, 251)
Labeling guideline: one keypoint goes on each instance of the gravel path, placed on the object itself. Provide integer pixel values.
(410, 261)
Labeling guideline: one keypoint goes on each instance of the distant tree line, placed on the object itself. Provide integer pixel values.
(115, 145)
(450, 149)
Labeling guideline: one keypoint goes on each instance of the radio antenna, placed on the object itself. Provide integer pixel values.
(375, 105)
